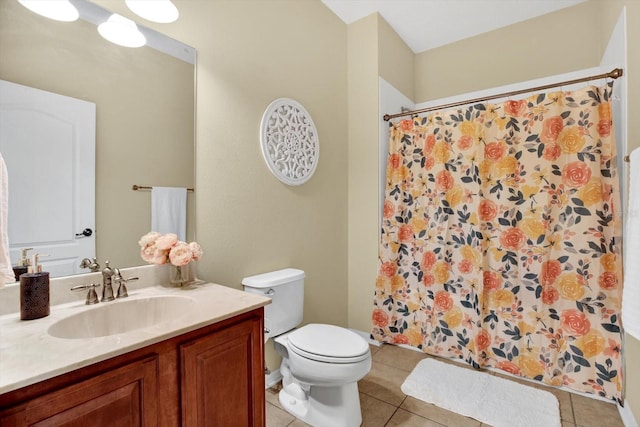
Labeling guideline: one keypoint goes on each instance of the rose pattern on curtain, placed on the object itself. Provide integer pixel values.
(500, 240)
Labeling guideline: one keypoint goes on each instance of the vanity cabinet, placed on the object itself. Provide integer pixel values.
(218, 366)
(213, 376)
(128, 395)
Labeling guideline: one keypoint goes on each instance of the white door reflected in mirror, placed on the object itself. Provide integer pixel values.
(51, 194)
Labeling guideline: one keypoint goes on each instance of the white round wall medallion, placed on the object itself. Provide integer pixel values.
(289, 141)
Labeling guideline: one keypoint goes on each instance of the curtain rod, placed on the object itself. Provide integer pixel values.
(613, 74)
(136, 187)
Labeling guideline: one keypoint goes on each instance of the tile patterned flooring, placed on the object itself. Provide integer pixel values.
(384, 404)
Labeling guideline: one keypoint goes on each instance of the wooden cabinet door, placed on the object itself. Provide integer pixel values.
(125, 396)
(222, 381)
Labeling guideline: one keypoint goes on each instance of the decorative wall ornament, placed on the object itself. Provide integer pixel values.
(289, 141)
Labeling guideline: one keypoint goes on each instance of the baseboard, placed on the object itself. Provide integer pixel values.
(367, 337)
(627, 416)
(272, 378)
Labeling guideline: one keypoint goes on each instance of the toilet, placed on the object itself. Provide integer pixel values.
(321, 364)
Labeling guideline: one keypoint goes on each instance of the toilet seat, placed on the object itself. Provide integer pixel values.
(328, 343)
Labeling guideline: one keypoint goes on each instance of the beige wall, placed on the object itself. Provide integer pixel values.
(374, 50)
(249, 53)
(363, 168)
(551, 44)
(395, 59)
(144, 115)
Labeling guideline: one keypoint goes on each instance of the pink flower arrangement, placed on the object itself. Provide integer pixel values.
(157, 248)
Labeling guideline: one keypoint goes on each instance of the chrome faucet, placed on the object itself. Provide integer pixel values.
(91, 265)
(109, 276)
(107, 288)
(122, 288)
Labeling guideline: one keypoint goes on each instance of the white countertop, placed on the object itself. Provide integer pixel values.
(28, 354)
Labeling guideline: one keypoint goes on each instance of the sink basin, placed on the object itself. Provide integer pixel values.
(119, 317)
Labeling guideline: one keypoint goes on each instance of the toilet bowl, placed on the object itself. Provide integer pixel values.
(321, 364)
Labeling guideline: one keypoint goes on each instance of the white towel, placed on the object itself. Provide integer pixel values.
(169, 211)
(6, 272)
(631, 290)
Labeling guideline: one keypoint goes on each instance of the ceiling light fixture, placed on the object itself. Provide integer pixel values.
(161, 11)
(122, 31)
(60, 10)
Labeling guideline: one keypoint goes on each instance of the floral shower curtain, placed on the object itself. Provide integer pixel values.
(501, 239)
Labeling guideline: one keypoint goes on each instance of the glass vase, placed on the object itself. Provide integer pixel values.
(180, 275)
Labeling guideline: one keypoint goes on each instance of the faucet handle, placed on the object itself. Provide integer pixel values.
(122, 288)
(93, 266)
(92, 296)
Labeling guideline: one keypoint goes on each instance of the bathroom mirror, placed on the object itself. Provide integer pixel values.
(144, 119)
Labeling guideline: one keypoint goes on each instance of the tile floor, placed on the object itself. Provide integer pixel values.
(383, 404)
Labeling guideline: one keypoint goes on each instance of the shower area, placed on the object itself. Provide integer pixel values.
(501, 238)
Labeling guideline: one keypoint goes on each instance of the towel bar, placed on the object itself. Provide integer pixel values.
(142, 187)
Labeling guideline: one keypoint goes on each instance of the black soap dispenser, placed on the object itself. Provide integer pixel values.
(34, 291)
(22, 266)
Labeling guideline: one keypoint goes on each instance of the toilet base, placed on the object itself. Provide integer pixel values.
(337, 406)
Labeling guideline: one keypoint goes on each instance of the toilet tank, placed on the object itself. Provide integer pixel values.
(286, 290)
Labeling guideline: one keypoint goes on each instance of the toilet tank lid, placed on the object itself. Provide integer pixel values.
(273, 278)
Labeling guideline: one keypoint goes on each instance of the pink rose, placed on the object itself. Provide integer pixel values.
(429, 143)
(406, 125)
(515, 108)
(380, 318)
(551, 128)
(400, 339)
(428, 260)
(494, 151)
(608, 280)
(487, 210)
(483, 340)
(388, 210)
(180, 254)
(551, 152)
(395, 161)
(465, 266)
(405, 234)
(196, 251)
(604, 128)
(148, 239)
(444, 180)
(443, 300)
(549, 272)
(575, 322)
(576, 174)
(388, 269)
(166, 241)
(153, 255)
(491, 280)
(465, 142)
(513, 239)
(509, 367)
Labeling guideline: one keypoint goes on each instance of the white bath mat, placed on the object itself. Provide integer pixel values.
(492, 400)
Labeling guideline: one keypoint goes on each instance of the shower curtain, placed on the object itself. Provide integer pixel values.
(500, 239)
